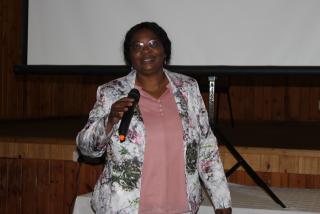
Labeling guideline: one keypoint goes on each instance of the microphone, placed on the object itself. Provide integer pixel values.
(127, 116)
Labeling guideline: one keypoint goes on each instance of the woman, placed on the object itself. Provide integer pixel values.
(169, 143)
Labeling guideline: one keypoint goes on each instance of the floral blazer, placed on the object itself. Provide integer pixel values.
(118, 188)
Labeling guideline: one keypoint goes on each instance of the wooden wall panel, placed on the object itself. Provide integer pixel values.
(289, 180)
(71, 185)
(14, 174)
(29, 184)
(60, 96)
(276, 98)
(3, 185)
(56, 195)
(276, 160)
(294, 100)
(11, 86)
(88, 175)
(43, 183)
(50, 186)
(258, 100)
(277, 103)
(43, 186)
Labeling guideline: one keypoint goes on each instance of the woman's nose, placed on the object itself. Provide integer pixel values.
(146, 48)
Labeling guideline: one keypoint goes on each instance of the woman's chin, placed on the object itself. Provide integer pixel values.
(150, 69)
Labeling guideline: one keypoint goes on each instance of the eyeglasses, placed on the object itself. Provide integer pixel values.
(139, 46)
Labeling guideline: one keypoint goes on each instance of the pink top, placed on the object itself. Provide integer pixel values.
(163, 188)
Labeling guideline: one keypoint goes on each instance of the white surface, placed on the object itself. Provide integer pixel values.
(75, 156)
(247, 200)
(205, 32)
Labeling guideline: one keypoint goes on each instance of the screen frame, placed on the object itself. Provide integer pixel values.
(211, 70)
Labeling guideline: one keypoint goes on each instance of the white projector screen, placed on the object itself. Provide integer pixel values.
(203, 32)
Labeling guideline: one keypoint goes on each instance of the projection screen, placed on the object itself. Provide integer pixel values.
(204, 32)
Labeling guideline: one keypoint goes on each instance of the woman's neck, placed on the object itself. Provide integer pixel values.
(155, 84)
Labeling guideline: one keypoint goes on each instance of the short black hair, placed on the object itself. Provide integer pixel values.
(157, 30)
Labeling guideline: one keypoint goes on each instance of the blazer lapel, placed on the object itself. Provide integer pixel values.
(181, 98)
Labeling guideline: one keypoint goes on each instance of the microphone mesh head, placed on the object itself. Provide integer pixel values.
(134, 94)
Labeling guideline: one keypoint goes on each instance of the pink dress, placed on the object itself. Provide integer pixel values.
(163, 188)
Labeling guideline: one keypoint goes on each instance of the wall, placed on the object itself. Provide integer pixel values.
(43, 186)
(39, 176)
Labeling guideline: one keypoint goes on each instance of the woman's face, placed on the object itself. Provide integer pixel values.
(146, 52)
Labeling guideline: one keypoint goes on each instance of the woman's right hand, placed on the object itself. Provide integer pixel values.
(117, 110)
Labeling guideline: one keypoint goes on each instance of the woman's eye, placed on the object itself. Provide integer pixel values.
(137, 46)
(153, 44)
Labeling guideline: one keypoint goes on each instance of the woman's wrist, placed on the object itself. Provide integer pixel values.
(108, 126)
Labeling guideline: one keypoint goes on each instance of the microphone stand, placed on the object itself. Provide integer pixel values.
(240, 161)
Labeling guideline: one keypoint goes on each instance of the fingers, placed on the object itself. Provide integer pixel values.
(117, 110)
(119, 107)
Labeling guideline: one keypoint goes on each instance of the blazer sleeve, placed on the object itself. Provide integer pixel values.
(92, 140)
(210, 167)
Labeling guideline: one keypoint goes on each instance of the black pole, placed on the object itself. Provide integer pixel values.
(245, 165)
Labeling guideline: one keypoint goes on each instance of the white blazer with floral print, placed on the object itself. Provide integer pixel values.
(118, 188)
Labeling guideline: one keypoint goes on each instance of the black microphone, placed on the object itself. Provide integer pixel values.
(127, 116)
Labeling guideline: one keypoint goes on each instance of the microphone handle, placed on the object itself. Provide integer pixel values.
(125, 122)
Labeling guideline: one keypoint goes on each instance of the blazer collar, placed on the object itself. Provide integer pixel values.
(175, 82)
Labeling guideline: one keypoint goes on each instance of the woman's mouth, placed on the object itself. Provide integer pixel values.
(148, 59)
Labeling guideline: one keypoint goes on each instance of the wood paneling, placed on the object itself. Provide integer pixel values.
(274, 160)
(11, 86)
(43, 183)
(51, 186)
(14, 193)
(285, 161)
(3, 185)
(39, 176)
(286, 180)
(49, 150)
(29, 184)
(71, 184)
(43, 186)
(56, 177)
